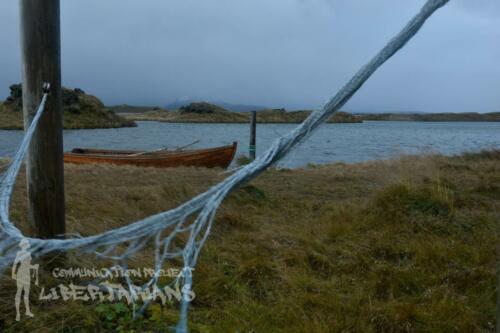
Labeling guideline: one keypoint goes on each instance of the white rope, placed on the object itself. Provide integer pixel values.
(9, 178)
(151, 229)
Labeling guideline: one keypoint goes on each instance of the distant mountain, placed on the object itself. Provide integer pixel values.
(125, 108)
(228, 106)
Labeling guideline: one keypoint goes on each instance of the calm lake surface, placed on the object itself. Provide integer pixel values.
(331, 143)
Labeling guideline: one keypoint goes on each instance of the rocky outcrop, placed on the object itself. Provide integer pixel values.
(201, 108)
(73, 100)
(15, 100)
(80, 111)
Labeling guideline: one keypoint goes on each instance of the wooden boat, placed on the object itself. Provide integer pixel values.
(209, 158)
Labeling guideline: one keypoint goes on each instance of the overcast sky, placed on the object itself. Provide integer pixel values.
(277, 53)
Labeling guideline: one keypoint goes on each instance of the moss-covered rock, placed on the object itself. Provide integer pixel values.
(201, 108)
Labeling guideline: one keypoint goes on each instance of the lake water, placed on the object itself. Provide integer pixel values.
(331, 143)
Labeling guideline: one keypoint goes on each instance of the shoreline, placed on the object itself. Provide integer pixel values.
(236, 118)
(17, 128)
(202, 112)
(13, 121)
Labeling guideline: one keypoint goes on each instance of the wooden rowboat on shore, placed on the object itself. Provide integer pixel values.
(210, 158)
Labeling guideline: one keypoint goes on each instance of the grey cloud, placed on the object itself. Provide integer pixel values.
(292, 53)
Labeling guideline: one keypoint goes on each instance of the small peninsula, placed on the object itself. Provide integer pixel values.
(81, 111)
(203, 112)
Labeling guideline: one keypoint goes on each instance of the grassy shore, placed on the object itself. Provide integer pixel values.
(210, 113)
(403, 245)
(263, 117)
(470, 116)
(94, 118)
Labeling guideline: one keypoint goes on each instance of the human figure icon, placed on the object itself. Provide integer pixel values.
(21, 272)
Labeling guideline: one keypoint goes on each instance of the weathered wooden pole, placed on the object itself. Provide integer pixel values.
(498, 286)
(253, 131)
(41, 62)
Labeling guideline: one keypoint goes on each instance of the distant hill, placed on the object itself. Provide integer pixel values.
(203, 112)
(80, 111)
(125, 108)
(199, 112)
(228, 106)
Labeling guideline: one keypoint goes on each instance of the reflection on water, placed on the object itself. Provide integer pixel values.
(332, 142)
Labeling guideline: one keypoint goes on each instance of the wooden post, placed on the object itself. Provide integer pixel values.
(41, 62)
(498, 286)
(253, 131)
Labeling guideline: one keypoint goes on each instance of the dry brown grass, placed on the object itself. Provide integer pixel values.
(278, 116)
(179, 117)
(10, 120)
(406, 245)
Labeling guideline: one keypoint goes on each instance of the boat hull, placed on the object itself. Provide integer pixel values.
(220, 157)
